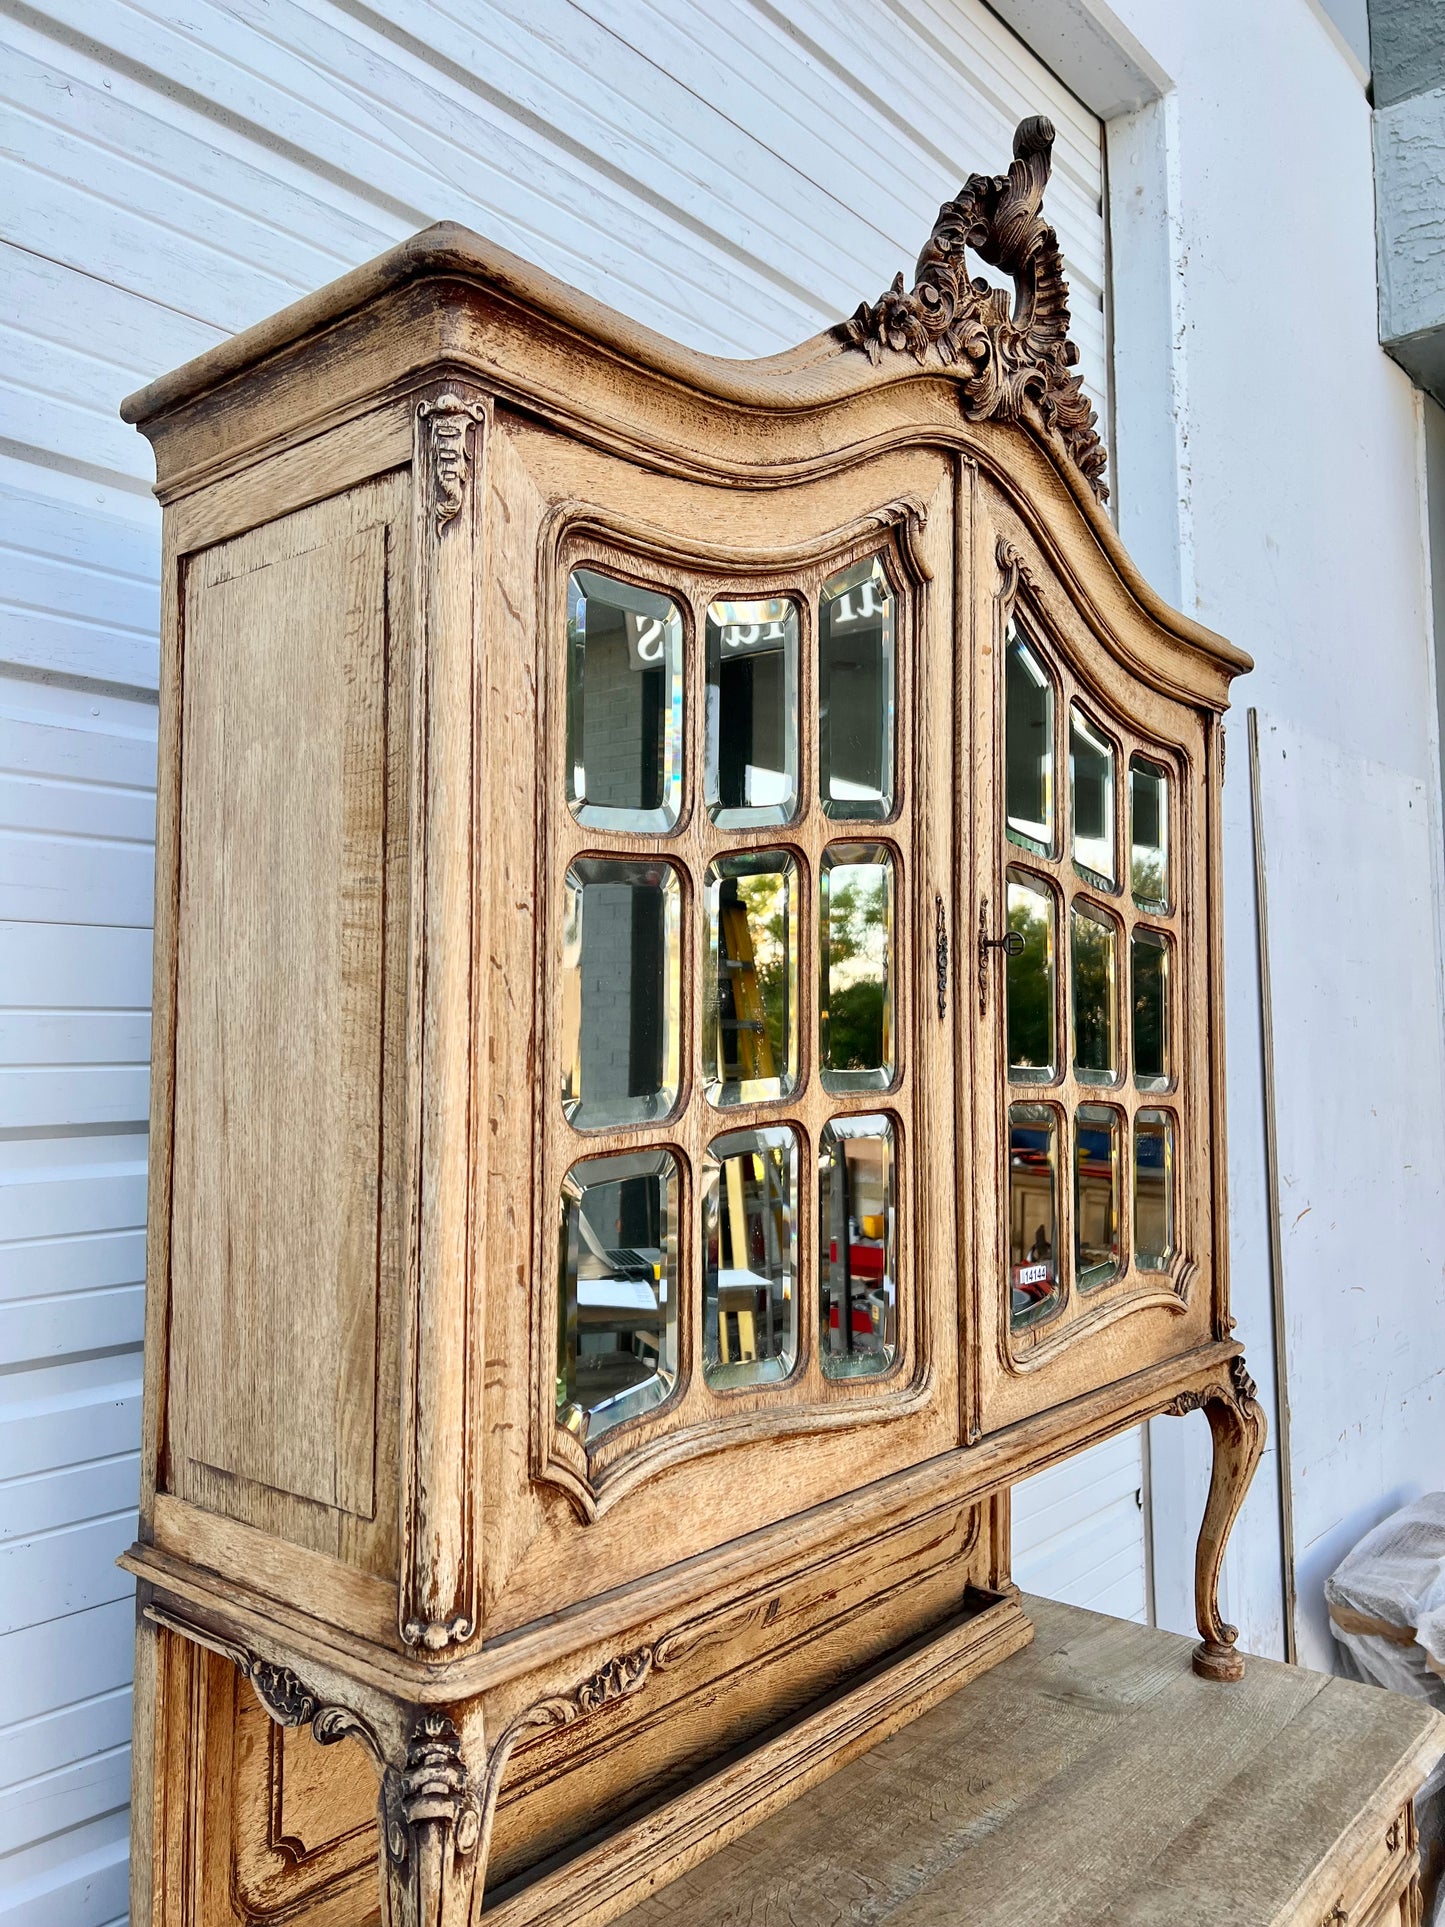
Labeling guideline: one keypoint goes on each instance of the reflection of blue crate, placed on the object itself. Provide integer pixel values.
(1149, 1150)
(1030, 1148)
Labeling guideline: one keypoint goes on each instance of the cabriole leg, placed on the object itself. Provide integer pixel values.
(1236, 1421)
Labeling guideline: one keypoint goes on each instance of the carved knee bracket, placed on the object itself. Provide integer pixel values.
(439, 1779)
(1237, 1423)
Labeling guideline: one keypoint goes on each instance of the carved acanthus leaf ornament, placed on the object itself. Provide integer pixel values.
(1008, 351)
(448, 419)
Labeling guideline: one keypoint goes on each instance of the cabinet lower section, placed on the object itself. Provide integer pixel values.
(560, 1775)
(581, 1802)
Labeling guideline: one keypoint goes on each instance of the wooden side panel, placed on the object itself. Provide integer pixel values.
(251, 1824)
(278, 1167)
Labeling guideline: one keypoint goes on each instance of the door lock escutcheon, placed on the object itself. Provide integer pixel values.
(1010, 943)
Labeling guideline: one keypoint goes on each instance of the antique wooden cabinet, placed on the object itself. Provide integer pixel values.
(687, 1060)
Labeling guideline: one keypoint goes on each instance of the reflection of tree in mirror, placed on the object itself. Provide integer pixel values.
(765, 900)
(1093, 947)
(857, 966)
(1148, 875)
(1030, 983)
(1149, 1007)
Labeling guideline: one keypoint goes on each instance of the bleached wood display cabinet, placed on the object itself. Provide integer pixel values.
(688, 1059)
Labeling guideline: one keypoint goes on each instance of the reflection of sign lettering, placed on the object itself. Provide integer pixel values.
(862, 604)
(646, 640)
(751, 638)
(1031, 1274)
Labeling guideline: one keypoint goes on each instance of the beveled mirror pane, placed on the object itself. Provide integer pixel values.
(1094, 946)
(1028, 747)
(621, 974)
(624, 705)
(617, 1290)
(857, 1259)
(1149, 834)
(1031, 1057)
(1091, 780)
(750, 1023)
(1034, 1287)
(856, 693)
(1097, 1134)
(1153, 1190)
(1151, 1010)
(750, 1297)
(856, 1022)
(752, 713)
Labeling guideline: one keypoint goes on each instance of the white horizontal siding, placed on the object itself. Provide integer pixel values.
(738, 173)
(1078, 1531)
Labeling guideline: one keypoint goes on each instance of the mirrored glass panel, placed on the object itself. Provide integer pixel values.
(617, 1290)
(1153, 1190)
(1149, 834)
(857, 1260)
(1097, 1135)
(752, 712)
(856, 1019)
(1091, 781)
(1028, 747)
(856, 693)
(624, 705)
(1034, 1288)
(750, 1298)
(1031, 1056)
(1094, 950)
(750, 1025)
(1151, 1010)
(621, 969)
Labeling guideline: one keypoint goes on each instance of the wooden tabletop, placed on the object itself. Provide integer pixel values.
(1091, 1778)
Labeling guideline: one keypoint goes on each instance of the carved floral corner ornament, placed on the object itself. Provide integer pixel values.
(1009, 352)
(438, 1798)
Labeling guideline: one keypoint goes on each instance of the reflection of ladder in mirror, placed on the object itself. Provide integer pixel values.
(770, 1205)
(753, 1053)
(752, 1046)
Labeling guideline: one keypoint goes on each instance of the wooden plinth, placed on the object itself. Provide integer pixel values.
(1094, 1778)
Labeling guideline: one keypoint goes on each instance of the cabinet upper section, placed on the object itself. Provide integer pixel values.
(594, 779)
(953, 360)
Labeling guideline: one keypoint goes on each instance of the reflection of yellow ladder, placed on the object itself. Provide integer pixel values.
(749, 1022)
(753, 1049)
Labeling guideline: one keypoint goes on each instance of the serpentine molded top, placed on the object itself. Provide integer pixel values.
(1007, 354)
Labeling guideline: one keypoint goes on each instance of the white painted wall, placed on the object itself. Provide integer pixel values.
(1277, 498)
(1350, 867)
(738, 174)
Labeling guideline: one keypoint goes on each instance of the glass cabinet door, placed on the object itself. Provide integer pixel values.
(1085, 933)
(737, 864)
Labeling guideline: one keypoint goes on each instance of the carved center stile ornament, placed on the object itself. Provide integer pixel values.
(1009, 352)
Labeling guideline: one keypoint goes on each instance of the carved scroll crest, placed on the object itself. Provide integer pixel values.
(449, 418)
(1241, 1390)
(283, 1694)
(1008, 351)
